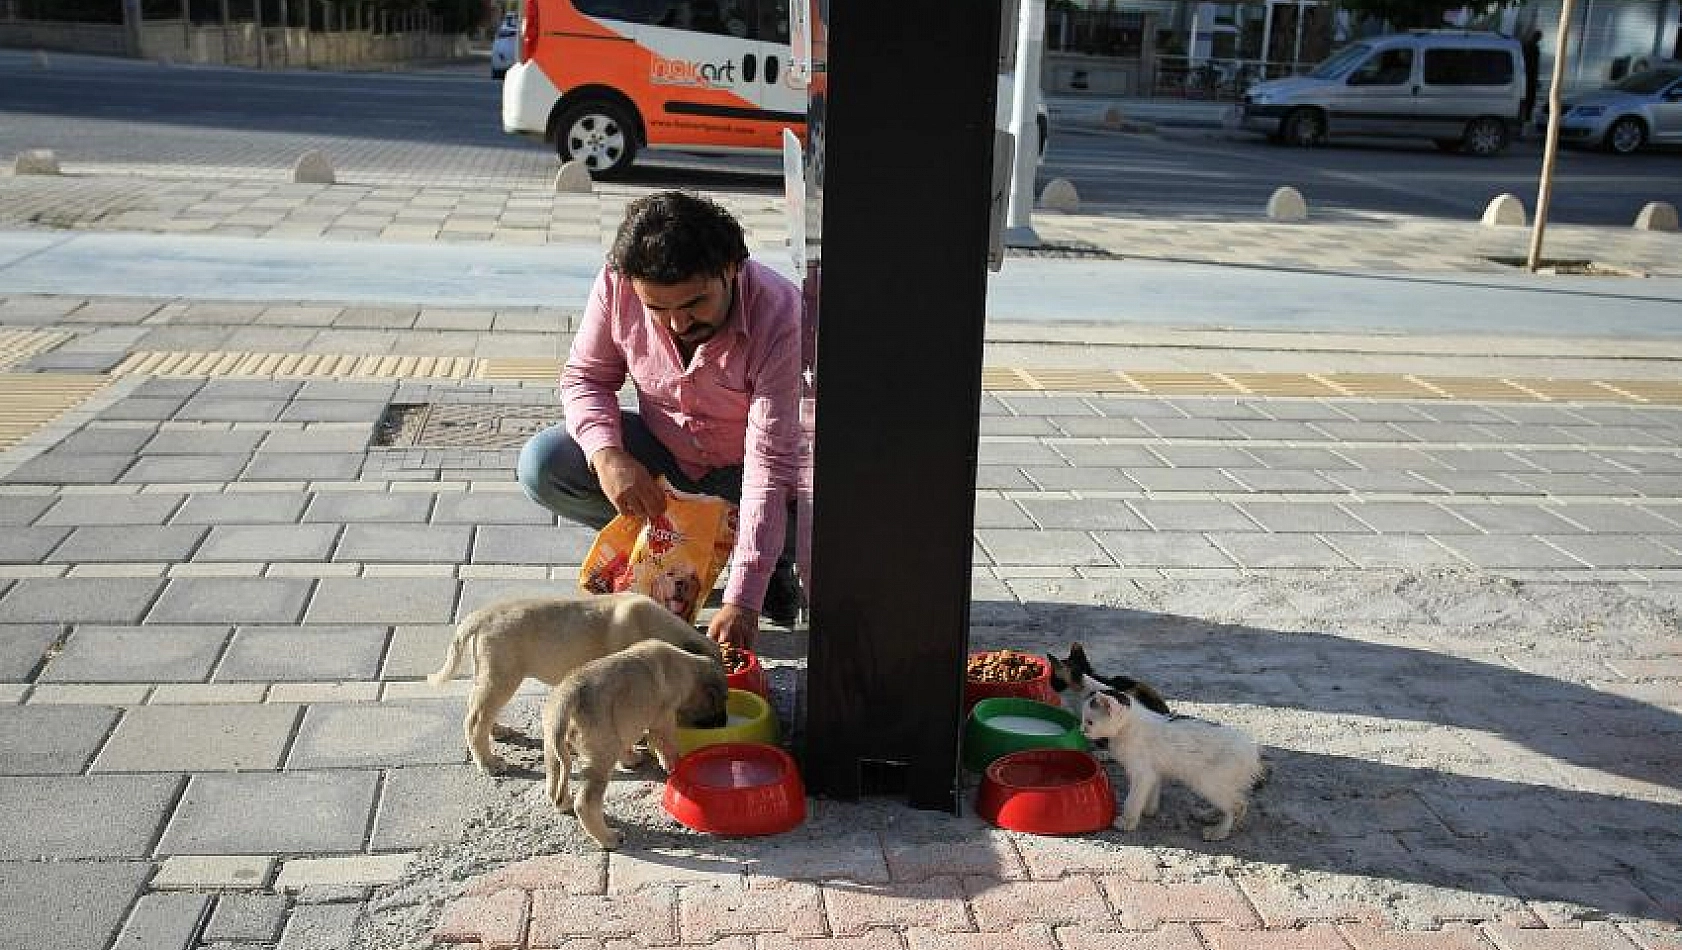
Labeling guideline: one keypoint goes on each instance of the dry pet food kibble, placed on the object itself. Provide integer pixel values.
(1003, 666)
(735, 659)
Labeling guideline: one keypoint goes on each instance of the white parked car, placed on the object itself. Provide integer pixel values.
(1643, 108)
(503, 47)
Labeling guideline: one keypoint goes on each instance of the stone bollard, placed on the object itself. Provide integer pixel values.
(36, 161)
(313, 168)
(1503, 211)
(41, 59)
(1656, 216)
(573, 179)
(1060, 196)
(1113, 119)
(1287, 204)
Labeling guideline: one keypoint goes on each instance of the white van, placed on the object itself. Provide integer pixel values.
(1461, 90)
(604, 79)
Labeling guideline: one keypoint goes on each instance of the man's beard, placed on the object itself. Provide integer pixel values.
(699, 333)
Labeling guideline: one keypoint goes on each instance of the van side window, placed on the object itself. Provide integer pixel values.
(773, 20)
(633, 11)
(762, 19)
(1393, 67)
(1468, 67)
(702, 16)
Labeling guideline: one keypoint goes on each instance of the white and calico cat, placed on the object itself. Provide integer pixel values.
(1074, 679)
(1219, 763)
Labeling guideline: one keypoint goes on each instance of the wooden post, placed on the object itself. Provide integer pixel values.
(1550, 148)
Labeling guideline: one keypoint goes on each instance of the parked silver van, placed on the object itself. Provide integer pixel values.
(1461, 90)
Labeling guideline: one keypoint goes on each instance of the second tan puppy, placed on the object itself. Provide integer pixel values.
(546, 638)
(606, 705)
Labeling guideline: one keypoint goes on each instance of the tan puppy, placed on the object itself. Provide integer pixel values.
(546, 638)
(604, 706)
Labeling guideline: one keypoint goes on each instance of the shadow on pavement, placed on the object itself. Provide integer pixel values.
(1406, 740)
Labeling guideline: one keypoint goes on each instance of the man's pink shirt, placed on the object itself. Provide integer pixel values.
(736, 403)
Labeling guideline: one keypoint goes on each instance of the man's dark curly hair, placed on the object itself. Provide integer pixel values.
(671, 236)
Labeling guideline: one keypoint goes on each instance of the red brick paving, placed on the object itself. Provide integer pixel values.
(1368, 937)
(1143, 904)
(1005, 905)
(1311, 937)
(494, 922)
(648, 915)
(573, 873)
(533, 905)
(937, 903)
(707, 912)
(1592, 936)
(1166, 937)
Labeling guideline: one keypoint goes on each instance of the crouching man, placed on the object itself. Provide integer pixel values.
(710, 341)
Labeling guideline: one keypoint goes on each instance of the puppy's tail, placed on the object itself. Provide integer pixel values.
(452, 659)
(557, 752)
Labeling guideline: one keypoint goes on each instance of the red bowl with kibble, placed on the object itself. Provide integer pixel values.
(1047, 792)
(742, 668)
(736, 789)
(1009, 673)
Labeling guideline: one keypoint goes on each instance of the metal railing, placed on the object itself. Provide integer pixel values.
(1218, 79)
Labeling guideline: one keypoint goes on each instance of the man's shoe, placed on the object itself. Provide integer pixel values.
(782, 597)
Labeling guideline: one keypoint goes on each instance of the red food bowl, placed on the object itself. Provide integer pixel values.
(1038, 688)
(737, 789)
(751, 677)
(1047, 792)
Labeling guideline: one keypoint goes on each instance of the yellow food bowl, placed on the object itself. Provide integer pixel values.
(751, 720)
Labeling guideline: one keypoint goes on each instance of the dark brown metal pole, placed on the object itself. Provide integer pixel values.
(900, 314)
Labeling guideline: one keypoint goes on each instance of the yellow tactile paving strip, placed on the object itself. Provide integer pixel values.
(338, 366)
(517, 369)
(29, 401)
(993, 378)
(19, 345)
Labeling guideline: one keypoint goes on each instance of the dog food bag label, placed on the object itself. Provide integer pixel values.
(675, 558)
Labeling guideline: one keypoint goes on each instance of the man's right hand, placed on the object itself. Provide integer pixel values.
(628, 485)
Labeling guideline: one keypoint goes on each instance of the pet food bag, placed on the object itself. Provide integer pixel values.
(675, 559)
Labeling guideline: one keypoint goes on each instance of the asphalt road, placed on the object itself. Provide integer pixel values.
(1209, 174)
(441, 125)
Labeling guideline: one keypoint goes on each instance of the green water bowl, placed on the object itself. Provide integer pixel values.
(1003, 725)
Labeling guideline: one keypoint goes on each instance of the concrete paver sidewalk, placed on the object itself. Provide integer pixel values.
(498, 215)
(1452, 620)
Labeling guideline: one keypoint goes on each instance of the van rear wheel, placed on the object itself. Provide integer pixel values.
(1484, 137)
(1303, 128)
(600, 135)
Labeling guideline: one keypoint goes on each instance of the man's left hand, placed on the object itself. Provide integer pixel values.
(737, 626)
